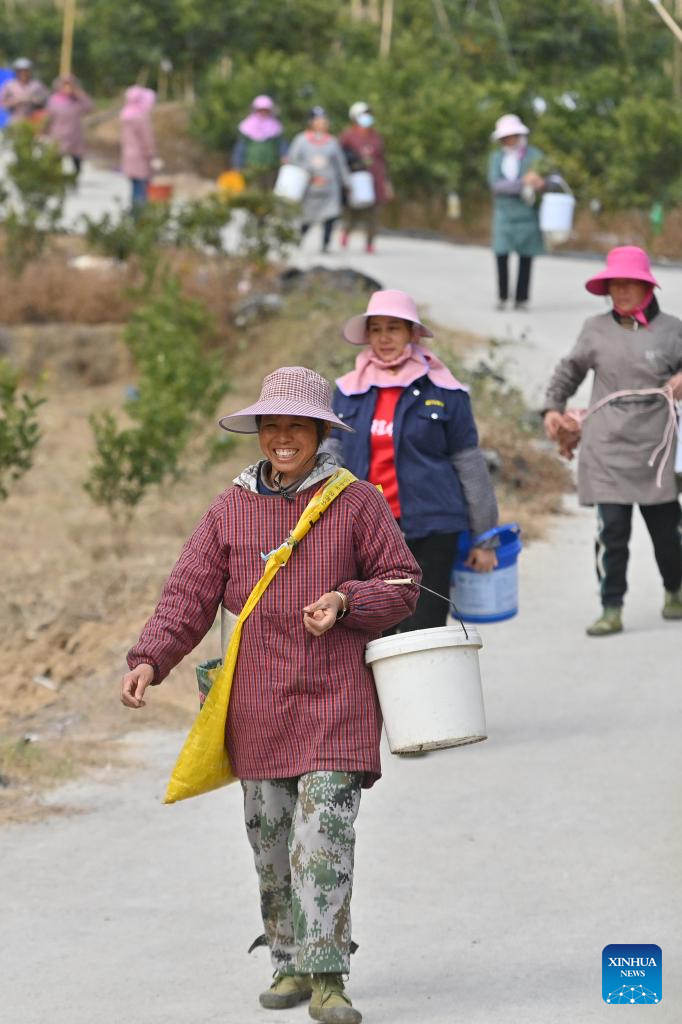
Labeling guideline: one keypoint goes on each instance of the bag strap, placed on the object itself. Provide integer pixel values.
(278, 558)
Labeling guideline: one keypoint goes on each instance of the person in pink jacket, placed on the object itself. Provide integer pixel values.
(66, 108)
(138, 149)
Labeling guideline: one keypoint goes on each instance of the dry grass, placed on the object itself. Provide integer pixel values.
(50, 291)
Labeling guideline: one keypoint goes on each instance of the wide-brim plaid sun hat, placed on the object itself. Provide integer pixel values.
(391, 303)
(289, 391)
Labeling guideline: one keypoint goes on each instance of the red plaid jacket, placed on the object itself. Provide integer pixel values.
(299, 703)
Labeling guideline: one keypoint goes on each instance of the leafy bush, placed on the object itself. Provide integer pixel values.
(178, 389)
(32, 201)
(19, 429)
(123, 236)
(265, 226)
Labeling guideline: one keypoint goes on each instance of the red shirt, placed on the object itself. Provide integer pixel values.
(381, 450)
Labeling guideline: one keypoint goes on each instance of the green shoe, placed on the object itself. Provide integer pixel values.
(609, 622)
(330, 1003)
(286, 990)
(672, 608)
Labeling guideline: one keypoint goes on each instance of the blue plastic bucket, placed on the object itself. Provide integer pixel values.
(488, 596)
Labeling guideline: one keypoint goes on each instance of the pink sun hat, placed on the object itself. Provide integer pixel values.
(509, 124)
(263, 102)
(387, 303)
(289, 391)
(625, 261)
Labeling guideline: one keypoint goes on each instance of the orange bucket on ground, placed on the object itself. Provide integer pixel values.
(159, 193)
(231, 182)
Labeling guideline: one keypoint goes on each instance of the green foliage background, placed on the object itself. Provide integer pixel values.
(612, 125)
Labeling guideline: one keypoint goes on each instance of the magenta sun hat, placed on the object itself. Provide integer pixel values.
(387, 303)
(289, 391)
(263, 102)
(509, 124)
(625, 261)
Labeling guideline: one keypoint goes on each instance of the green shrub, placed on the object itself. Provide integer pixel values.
(32, 200)
(19, 429)
(179, 387)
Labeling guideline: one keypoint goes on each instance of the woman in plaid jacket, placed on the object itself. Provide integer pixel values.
(304, 722)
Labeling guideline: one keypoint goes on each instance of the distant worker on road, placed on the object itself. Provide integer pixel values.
(363, 147)
(24, 96)
(516, 224)
(261, 145)
(320, 154)
(66, 108)
(138, 147)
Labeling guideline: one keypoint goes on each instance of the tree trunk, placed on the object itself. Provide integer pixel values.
(386, 29)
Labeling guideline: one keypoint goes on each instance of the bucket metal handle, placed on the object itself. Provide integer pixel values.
(448, 601)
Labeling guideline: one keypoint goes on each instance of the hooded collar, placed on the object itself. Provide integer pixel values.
(325, 467)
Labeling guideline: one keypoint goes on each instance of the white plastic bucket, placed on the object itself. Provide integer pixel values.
(362, 192)
(292, 182)
(556, 212)
(429, 687)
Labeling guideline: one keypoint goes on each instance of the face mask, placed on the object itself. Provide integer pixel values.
(365, 120)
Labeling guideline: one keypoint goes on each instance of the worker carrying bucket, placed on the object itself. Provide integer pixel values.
(299, 551)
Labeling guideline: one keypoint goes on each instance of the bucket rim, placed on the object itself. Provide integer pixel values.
(421, 640)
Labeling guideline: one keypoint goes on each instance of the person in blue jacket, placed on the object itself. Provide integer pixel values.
(415, 435)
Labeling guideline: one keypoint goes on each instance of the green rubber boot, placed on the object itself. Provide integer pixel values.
(608, 623)
(672, 607)
(330, 1004)
(286, 990)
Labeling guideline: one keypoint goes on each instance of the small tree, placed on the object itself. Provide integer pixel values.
(32, 200)
(268, 225)
(178, 390)
(19, 430)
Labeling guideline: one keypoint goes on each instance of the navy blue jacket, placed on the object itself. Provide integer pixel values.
(431, 424)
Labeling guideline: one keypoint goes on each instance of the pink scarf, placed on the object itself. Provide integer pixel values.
(259, 128)
(638, 312)
(414, 361)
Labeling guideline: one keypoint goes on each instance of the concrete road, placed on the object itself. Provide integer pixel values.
(489, 878)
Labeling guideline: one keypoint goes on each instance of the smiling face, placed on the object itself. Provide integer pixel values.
(387, 336)
(290, 444)
(627, 294)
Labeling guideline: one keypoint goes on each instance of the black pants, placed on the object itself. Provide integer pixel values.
(435, 554)
(614, 523)
(327, 228)
(522, 281)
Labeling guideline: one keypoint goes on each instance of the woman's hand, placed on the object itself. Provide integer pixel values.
(134, 684)
(322, 614)
(553, 422)
(676, 384)
(533, 179)
(481, 559)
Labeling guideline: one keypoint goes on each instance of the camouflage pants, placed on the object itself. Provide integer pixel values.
(303, 840)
